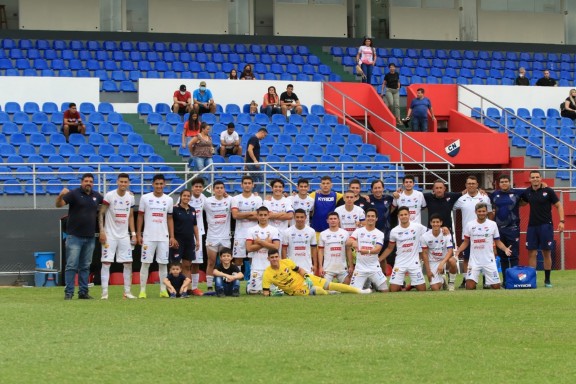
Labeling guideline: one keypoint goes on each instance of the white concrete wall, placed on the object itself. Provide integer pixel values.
(60, 15)
(512, 97)
(188, 16)
(424, 23)
(314, 20)
(521, 27)
(42, 89)
(238, 92)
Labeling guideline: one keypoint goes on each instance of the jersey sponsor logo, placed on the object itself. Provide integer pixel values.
(407, 245)
(327, 199)
(479, 240)
(155, 214)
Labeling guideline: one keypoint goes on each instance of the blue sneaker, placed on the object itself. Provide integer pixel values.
(172, 295)
(185, 295)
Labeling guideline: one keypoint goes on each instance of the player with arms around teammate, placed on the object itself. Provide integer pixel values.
(117, 233)
(281, 212)
(260, 239)
(244, 208)
(410, 198)
(351, 215)
(333, 253)
(438, 249)
(197, 202)
(540, 233)
(155, 210)
(296, 281)
(325, 201)
(301, 200)
(481, 235)
(406, 237)
(217, 208)
(299, 243)
(368, 241)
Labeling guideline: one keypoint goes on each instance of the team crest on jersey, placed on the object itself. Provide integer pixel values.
(544, 194)
(452, 147)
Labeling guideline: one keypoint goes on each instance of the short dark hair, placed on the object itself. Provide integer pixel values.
(263, 130)
(289, 86)
(247, 177)
(174, 264)
(534, 171)
(435, 216)
(87, 174)
(273, 251)
(225, 250)
(326, 177)
(480, 206)
(274, 181)
(299, 210)
(407, 177)
(374, 182)
(303, 181)
(262, 209)
(372, 210)
(333, 214)
(197, 180)
(185, 190)
(391, 65)
(158, 176)
(218, 182)
(123, 176)
(230, 125)
(420, 90)
(71, 105)
(472, 177)
(504, 177)
(403, 208)
(350, 191)
(355, 181)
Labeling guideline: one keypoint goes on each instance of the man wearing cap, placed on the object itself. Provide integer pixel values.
(203, 101)
(182, 101)
(230, 142)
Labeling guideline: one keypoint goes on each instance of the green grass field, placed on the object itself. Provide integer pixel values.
(458, 337)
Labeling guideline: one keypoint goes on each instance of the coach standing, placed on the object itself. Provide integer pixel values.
(83, 204)
(540, 234)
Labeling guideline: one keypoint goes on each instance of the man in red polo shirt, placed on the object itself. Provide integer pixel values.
(72, 121)
(182, 101)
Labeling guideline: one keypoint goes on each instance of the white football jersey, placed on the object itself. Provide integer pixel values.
(245, 204)
(260, 257)
(156, 211)
(467, 205)
(407, 244)
(367, 240)
(415, 202)
(217, 218)
(198, 204)
(117, 215)
(437, 246)
(333, 244)
(482, 236)
(306, 204)
(279, 206)
(300, 243)
(348, 219)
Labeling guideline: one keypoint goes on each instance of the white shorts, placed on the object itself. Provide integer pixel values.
(378, 278)
(437, 278)
(255, 283)
(338, 276)
(416, 275)
(215, 245)
(239, 251)
(158, 248)
(120, 248)
(490, 271)
(199, 256)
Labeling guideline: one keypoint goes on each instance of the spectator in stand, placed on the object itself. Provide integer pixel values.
(230, 142)
(203, 100)
(271, 102)
(289, 101)
(366, 57)
(182, 101)
(191, 129)
(253, 155)
(569, 109)
(247, 73)
(522, 79)
(418, 112)
(233, 75)
(391, 90)
(72, 121)
(547, 81)
(201, 148)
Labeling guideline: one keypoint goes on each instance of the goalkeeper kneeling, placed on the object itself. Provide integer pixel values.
(295, 281)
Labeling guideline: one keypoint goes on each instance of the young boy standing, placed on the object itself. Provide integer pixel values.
(227, 276)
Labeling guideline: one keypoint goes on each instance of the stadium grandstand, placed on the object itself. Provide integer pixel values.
(121, 61)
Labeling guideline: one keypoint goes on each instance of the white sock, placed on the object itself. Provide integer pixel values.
(144, 276)
(195, 279)
(127, 273)
(451, 277)
(210, 281)
(105, 277)
(162, 273)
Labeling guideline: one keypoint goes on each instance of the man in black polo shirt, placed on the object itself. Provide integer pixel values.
(253, 155)
(546, 81)
(185, 232)
(83, 204)
(540, 233)
(441, 203)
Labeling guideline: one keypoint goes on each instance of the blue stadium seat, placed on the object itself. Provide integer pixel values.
(144, 109)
